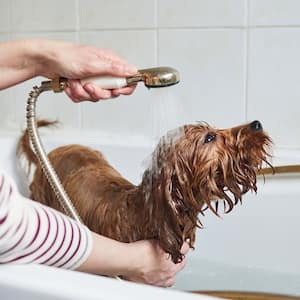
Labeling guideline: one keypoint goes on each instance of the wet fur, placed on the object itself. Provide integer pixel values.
(185, 177)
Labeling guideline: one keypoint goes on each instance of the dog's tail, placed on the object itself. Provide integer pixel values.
(24, 149)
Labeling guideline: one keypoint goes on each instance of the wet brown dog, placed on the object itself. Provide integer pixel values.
(191, 169)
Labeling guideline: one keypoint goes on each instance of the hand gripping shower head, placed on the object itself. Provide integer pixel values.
(152, 78)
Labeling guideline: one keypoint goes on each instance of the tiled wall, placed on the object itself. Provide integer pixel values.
(239, 60)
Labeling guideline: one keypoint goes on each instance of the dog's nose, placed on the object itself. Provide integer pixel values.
(256, 126)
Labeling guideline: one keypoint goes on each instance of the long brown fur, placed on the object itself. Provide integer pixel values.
(189, 173)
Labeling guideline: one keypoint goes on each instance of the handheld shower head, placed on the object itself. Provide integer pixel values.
(152, 78)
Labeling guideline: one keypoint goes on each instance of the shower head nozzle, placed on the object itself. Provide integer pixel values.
(156, 77)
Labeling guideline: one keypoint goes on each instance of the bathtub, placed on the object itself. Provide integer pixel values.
(254, 248)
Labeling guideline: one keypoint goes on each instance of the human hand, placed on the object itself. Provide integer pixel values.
(152, 265)
(141, 261)
(73, 61)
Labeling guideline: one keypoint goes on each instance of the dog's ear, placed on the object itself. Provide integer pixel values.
(169, 227)
(181, 201)
(165, 190)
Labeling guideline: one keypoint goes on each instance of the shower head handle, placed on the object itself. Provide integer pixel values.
(152, 78)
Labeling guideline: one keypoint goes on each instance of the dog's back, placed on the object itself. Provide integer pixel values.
(87, 177)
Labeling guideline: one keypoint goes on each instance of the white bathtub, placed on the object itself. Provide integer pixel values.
(254, 248)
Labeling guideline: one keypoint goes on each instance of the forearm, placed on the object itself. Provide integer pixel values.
(141, 261)
(18, 62)
(33, 233)
(109, 257)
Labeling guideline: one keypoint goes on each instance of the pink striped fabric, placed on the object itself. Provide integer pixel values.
(33, 233)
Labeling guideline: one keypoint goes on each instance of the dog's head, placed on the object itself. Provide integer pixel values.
(200, 165)
(220, 163)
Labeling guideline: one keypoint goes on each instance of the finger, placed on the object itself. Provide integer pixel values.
(180, 266)
(111, 67)
(185, 248)
(97, 93)
(76, 91)
(67, 90)
(124, 91)
(116, 68)
(170, 282)
(73, 98)
(109, 55)
(79, 93)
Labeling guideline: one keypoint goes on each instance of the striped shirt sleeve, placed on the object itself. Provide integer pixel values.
(33, 233)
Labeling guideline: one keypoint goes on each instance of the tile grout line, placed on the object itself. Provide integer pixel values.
(246, 61)
(157, 61)
(156, 32)
(183, 28)
(10, 35)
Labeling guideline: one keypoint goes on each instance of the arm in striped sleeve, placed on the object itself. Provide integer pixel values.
(34, 233)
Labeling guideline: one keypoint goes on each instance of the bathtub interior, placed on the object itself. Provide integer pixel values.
(254, 248)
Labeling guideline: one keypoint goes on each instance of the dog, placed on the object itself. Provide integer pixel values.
(192, 169)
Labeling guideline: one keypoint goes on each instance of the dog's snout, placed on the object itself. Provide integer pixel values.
(256, 126)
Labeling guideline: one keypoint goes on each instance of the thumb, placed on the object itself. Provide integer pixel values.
(185, 248)
(114, 68)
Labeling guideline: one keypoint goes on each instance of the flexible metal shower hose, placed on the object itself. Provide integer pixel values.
(45, 163)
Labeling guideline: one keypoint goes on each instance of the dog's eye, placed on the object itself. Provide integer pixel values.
(209, 137)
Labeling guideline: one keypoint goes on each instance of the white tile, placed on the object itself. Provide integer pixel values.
(62, 36)
(274, 89)
(137, 46)
(211, 64)
(274, 12)
(7, 108)
(99, 14)
(43, 15)
(194, 13)
(125, 115)
(4, 37)
(50, 105)
(4, 15)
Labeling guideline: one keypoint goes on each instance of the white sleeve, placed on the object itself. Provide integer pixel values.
(33, 233)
